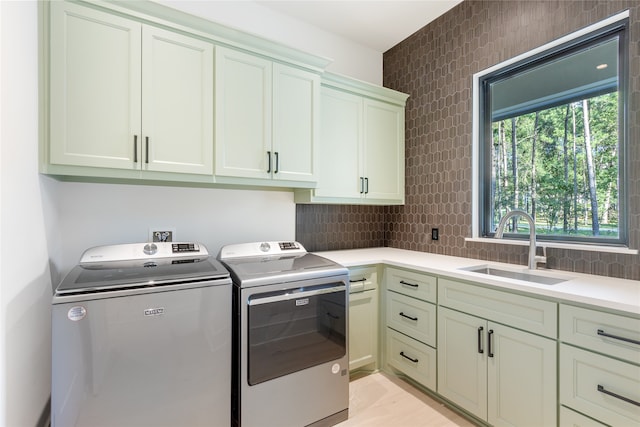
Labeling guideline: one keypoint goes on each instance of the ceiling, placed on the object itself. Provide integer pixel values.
(378, 25)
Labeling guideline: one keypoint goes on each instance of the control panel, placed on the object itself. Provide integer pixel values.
(289, 246)
(261, 249)
(185, 247)
(141, 251)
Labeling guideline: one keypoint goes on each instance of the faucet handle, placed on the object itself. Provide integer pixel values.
(542, 259)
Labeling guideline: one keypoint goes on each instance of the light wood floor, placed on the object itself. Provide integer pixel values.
(381, 400)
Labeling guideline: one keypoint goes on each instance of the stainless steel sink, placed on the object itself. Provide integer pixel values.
(516, 275)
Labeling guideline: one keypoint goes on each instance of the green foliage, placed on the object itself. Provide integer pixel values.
(560, 182)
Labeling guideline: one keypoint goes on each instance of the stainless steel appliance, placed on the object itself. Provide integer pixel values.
(142, 337)
(291, 366)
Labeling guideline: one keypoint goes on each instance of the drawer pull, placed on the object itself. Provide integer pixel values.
(480, 349)
(415, 319)
(615, 337)
(601, 389)
(407, 357)
(490, 333)
(413, 285)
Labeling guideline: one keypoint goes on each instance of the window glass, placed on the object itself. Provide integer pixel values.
(552, 141)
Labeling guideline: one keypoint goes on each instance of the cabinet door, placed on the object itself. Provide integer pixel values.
(363, 328)
(296, 101)
(95, 87)
(521, 374)
(384, 150)
(462, 362)
(177, 100)
(243, 115)
(339, 159)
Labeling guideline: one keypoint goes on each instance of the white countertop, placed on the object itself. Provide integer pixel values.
(604, 292)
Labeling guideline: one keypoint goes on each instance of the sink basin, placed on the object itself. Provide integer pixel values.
(516, 275)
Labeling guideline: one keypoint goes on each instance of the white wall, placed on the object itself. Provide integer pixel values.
(103, 214)
(46, 224)
(349, 58)
(25, 284)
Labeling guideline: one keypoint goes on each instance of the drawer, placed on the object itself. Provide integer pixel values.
(587, 379)
(363, 279)
(412, 317)
(569, 418)
(519, 311)
(411, 357)
(610, 334)
(410, 283)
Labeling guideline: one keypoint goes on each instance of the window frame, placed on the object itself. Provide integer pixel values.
(616, 26)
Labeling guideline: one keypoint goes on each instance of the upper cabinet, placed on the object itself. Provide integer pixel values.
(266, 120)
(361, 150)
(140, 91)
(128, 96)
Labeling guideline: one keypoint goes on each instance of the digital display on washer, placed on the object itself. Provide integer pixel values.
(287, 246)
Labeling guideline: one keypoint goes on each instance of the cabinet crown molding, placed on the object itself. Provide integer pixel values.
(173, 19)
(360, 87)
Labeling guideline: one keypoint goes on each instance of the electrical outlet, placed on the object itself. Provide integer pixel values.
(435, 235)
(162, 234)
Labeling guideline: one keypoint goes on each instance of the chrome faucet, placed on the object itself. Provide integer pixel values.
(533, 259)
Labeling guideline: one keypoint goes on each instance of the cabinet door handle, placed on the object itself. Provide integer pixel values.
(333, 316)
(277, 162)
(135, 148)
(358, 280)
(601, 389)
(413, 285)
(480, 349)
(415, 319)
(366, 186)
(269, 161)
(361, 185)
(408, 358)
(490, 340)
(146, 149)
(616, 337)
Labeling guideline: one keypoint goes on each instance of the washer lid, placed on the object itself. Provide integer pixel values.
(110, 276)
(118, 267)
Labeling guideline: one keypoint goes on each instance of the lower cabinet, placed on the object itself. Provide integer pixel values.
(363, 318)
(413, 358)
(511, 359)
(599, 386)
(600, 365)
(569, 418)
(410, 319)
(502, 375)
(497, 354)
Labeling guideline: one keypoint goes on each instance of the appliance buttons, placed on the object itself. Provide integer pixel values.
(150, 248)
(265, 247)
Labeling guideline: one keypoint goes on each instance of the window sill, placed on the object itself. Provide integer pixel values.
(557, 245)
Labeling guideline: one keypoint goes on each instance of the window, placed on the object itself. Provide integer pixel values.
(551, 139)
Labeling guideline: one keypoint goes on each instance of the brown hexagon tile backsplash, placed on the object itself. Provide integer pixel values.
(435, 66)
